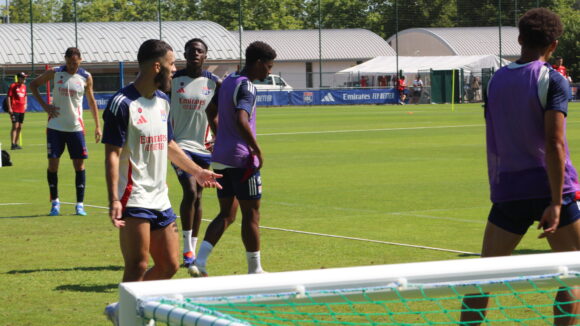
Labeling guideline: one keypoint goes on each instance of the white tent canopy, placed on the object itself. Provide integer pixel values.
(388, 65)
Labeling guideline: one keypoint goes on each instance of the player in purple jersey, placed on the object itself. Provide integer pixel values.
(530, 173)
(238, 157)
(193, 113)
(65, 122)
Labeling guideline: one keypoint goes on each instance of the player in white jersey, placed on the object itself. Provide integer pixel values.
(138, 140)
(193, 111)
(65, 122)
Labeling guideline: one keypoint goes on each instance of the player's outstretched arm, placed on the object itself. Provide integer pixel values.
(94, 108)
(205, 178)
(112, 154)
(555, 158)
(39, 81)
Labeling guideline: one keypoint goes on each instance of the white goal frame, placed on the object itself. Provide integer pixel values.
(463, 272)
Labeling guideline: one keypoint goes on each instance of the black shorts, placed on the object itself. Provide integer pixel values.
(17, 117)
(244, 184)
(518, 215)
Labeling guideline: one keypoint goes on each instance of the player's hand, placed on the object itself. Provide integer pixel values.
(53, 111)
(207, 179)
(550, 220)
(115, 213)
(98, 135)
(258, 154)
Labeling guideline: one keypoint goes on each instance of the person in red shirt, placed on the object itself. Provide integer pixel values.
(17, 107)
(401, 85)
(559, 67)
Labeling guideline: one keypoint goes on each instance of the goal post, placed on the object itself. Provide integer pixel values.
(183, 301)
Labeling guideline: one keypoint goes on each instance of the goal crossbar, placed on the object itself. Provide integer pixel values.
(409, 280)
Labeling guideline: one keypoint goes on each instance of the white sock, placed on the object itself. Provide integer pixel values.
(81, 204)
(254, 264)
(55, 201)
(187, 241)
(204, 251)
(193, 243)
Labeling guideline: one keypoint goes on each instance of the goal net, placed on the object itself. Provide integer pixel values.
(521, 291)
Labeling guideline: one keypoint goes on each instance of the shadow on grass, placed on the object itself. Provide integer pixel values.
(24, 216)
(73, 269)
(98, 288)
(531, 251)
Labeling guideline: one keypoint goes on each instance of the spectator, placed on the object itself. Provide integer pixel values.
(401, 88)
(475, 86)
(417, 90)
(364, 81)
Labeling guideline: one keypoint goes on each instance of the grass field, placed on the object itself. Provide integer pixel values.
(406, 174)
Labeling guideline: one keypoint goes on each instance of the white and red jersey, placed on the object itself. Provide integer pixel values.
(140, 126)
(67, 95)
(190, 98)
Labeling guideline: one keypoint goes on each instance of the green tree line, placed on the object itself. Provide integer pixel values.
(384, 17)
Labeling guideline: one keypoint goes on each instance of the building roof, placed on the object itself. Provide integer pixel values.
(471, 40)
(337, 44)
(108, 42)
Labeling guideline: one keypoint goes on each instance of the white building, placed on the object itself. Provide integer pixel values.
(298, 52)
(464, 41)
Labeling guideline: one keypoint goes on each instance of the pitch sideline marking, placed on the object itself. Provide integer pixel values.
(372, 211)
(335, 236)
(351, 131)
(10, 204)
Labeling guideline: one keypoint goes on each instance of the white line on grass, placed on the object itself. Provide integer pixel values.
(10, 204)
(374, 211)
(364, 130)
(335, 236)
(349, 131)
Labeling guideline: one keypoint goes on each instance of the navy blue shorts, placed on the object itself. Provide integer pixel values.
(74, 141)
(17, 117)
(202, 160)
(244, 184)
(157, 219)
(517, 216)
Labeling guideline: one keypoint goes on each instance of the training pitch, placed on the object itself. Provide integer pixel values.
(343, 186)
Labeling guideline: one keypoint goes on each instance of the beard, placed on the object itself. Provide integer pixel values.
(163, 80)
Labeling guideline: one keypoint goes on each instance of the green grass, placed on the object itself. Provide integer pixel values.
(408, 174)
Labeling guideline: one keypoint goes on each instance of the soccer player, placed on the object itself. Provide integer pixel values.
(17, 107)
(138, 140)
(237, 156)
(192, 92)
(65, 122)
(530, 173)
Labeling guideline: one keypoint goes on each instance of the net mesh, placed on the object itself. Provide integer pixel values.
(521, 301)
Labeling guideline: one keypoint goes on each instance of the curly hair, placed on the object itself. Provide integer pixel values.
(539, 27)
(259, 51)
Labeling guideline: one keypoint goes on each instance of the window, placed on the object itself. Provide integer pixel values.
(309, 83)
